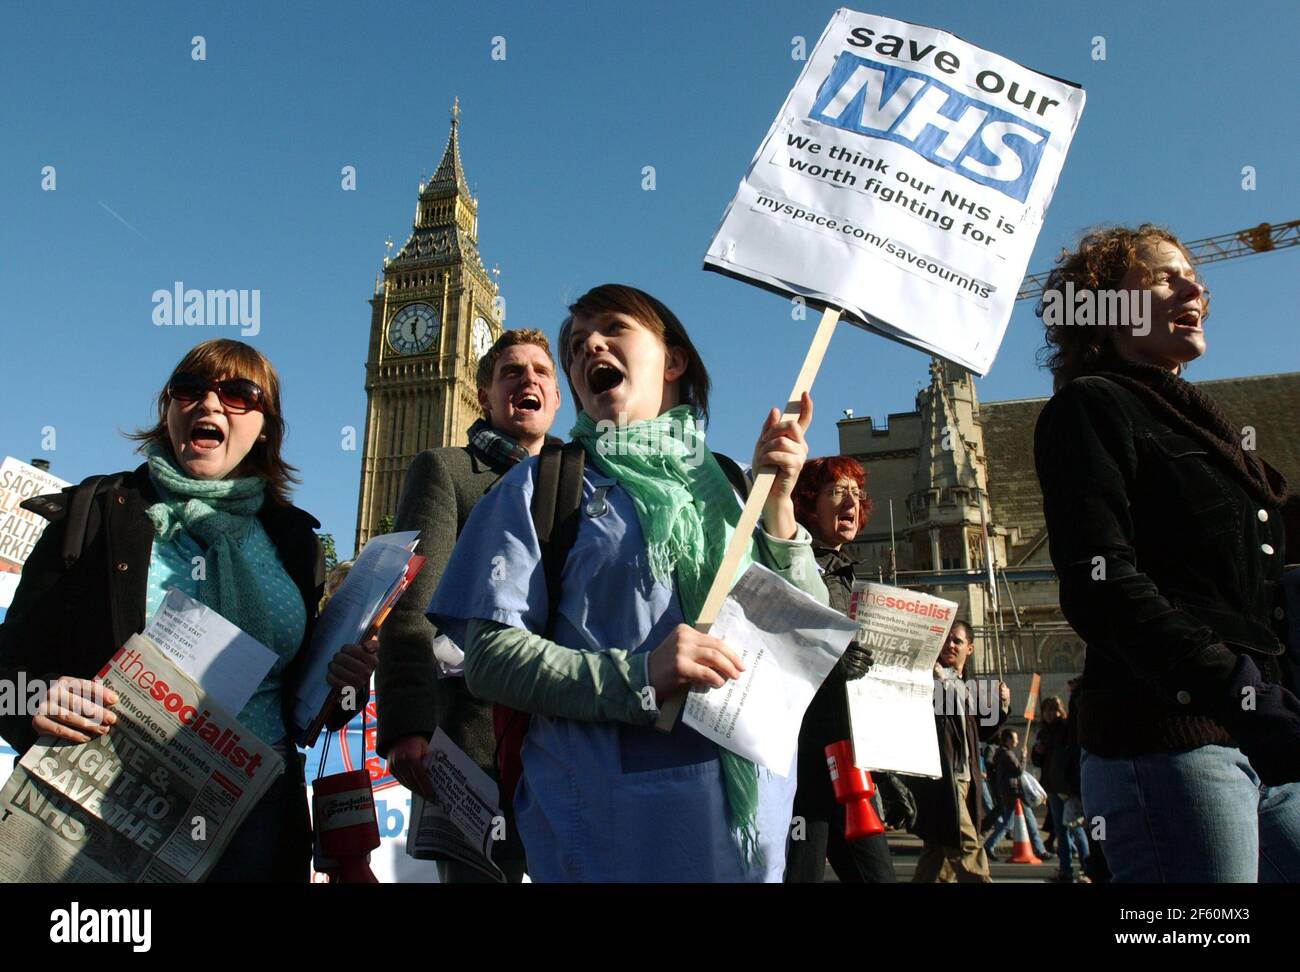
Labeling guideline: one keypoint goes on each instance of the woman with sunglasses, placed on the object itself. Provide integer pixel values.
(605, 796)
(213, 492)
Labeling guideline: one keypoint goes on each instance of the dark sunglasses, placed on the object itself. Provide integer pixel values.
(237, 394)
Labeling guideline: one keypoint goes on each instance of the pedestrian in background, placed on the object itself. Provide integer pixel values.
(1007, 768)
(1052, 754)
(830, 501)
(949, 813)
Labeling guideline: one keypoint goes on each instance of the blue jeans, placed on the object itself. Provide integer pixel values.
(1005, 819)
(1067, 838)
(986, 798)
(1192, 816)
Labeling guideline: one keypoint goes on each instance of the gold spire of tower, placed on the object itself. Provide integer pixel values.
(432, 316)
(449, 177)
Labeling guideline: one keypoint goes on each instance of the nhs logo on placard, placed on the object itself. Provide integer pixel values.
(976, 140)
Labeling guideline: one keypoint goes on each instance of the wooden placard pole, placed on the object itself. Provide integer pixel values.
(672, 705)
(1030, 705)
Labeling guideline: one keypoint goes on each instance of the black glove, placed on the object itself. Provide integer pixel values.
(855, 662)
(897, 800)
(1269, 732)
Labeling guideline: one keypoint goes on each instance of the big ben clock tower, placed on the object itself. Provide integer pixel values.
(432, 318)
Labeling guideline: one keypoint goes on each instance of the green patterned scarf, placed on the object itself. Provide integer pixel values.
(217, 513)
(687, 510)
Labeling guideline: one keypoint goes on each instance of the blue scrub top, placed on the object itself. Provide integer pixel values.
(603, 801)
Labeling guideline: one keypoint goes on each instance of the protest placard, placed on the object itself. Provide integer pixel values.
(20, 529)
(904, 181)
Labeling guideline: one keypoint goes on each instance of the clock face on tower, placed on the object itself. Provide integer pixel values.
(481, 337)
(413, 329)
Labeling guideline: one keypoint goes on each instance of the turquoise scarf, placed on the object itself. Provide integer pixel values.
(687, 511)
(218, 514)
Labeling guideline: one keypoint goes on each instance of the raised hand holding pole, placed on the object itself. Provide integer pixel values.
(671, 706)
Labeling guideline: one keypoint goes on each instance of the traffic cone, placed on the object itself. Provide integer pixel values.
(1021, 852)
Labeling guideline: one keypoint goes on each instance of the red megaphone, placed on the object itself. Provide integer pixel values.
(853, 788)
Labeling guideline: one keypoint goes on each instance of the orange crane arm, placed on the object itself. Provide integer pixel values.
(1212, 249)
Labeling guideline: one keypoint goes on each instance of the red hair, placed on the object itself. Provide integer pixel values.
(819, 473)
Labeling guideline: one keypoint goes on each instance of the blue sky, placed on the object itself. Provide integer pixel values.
(226, 174)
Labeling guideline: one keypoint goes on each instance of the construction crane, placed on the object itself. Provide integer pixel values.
(1226, 246)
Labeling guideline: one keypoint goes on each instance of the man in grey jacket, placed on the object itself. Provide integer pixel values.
(519, 395)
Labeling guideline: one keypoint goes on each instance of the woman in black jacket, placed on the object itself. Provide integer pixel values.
(830, 502)
(1168, 539)
(213, 494)
(1053, 752)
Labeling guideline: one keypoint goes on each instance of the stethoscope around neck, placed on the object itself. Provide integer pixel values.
(597, 506)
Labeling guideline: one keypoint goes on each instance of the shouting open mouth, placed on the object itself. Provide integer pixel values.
(205, 436)
(527, 402)
(602, 377)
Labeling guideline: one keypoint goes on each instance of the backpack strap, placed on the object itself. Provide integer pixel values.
(556, 509)
(79, 501)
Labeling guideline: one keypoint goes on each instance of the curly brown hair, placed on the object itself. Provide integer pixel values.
(1100, 261)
